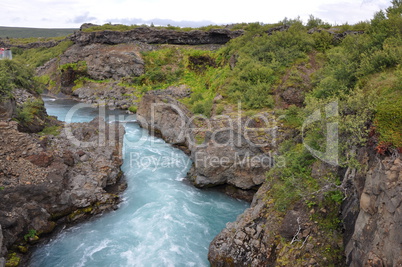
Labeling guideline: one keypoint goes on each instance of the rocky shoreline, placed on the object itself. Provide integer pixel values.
(263, 236)
(47, 181)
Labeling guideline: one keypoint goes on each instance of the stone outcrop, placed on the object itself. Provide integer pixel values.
(111, 94)
(263, 236)
(50, 180)
(223, 151)
(371, 215)
(373, 212)
(155, 36)
(27, 108)
(32, 116)
(107, 62)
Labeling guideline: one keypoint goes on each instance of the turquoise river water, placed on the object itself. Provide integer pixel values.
(162, 221)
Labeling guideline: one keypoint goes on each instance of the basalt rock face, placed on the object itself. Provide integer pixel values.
(106, 62)
(155, 36)
(373, 212)
(50, 180)
(371, 218)
(222, 151)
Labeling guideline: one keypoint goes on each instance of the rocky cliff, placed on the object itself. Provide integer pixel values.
(155, 36)
(371, 216)
(304, 235)
(373, 212)
(45, 181)
(226, 150)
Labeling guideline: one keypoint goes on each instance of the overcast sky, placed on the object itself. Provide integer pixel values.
(72, 13)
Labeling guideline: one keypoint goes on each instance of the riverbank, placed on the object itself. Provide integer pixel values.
(53, 180)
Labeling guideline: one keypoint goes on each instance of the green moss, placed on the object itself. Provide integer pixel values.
(133, 109)
(13, 260)
(23, 249)
(74, 215)
(31, 234)
(80, 66)
(51, 130)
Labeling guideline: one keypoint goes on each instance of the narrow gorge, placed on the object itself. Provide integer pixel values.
(240, 145)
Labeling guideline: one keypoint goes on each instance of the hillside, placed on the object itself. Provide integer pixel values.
(18, 32)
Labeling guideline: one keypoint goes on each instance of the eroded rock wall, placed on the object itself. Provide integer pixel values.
(156, 36)
(222, 151)
(373, 212)
(50, 180)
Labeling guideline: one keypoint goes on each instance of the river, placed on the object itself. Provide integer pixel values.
(162, 221)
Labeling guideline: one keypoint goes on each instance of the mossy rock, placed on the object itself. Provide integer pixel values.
(13, 260)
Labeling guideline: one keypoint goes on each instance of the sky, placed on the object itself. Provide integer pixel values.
(73, 13)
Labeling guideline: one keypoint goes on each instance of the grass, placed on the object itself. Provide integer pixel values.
(36, 57)
(20, 32)
(51, 130)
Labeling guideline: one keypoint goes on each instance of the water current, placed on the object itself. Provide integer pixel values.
(162, 221)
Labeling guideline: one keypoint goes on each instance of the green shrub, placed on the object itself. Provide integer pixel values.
(31, 234)
(29, 109)
(388, 119)
(133, 109)
(15, 74)
(219, 109)
(203, 107)
(36, 57)
(316, 23)
(51, 130)
(323, 40)
(80, 66)
(292, 182)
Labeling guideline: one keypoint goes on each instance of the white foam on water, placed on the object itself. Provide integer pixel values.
(162, 221)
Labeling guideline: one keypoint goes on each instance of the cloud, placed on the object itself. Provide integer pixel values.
(82, 18)
(163, 22)
(351, 12)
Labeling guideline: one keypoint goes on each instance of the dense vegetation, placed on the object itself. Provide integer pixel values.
(15, 74)
(36, 57)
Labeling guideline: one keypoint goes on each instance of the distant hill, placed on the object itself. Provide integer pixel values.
(16, 32)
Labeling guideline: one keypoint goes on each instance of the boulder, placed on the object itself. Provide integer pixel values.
(105, 62)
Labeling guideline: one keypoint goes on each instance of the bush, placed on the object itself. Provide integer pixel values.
(292, 182)
(133, 109)
(388, 119)
(203, 107)
(29, 109)
(15, 74)
(36, 57)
